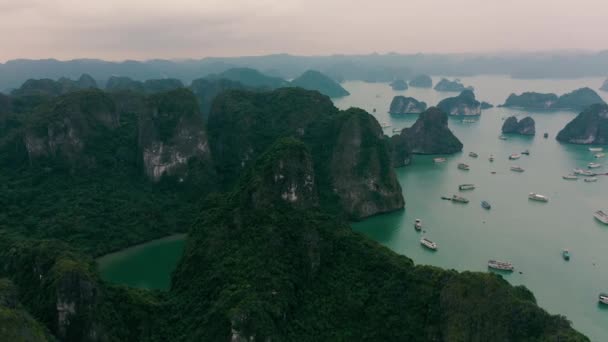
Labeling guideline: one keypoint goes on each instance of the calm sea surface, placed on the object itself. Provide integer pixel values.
(529, 234)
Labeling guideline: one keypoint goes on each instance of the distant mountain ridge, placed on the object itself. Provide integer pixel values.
(372, 67)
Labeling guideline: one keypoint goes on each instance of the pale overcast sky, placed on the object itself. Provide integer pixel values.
(143, 29)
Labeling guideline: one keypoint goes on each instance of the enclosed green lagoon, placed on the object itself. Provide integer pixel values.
(148, 265)
(529, 234)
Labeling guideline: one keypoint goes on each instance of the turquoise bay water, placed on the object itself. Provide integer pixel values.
(529, 234)
(148, 265)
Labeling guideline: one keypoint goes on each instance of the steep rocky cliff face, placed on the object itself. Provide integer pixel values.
(361, 169)
(486, 105)
(401, 152)
(531, 100)
(243, 124)
(524, 127)
(299, 275)
(429, 135)
(162, 85)
(206, 91)
(171, 134)
(463, 104)
(251, 78)
(16, 325)
(406, 105)
(589, 127)
(57, 286)
(314, 80)
(65, 128)
(348, 148)
(117, 83)
(578, 99)
(399, 85)
(421, 81)
(51, 88)
(447, 85)
(283, 175)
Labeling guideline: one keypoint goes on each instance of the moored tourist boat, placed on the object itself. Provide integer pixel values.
(570, 177)
(463, 166)
(428, 244)
(439, 160)
(459, 199)
(599, 155)
(500, 265)
(591, 179)
(594, 165)
(486, 205)
(466, 187)
(596, 149)
(601, 216)
(585, 173)
(603, 298)
(538, 197)
(514, 156)
(566, 254)
(473, 155)
(418, 224)
(517, 169)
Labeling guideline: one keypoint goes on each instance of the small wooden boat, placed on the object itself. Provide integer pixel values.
(570, 177)
(501, 265)
(491, 159)
(428, 244)
(546, 135)
(566, 254)
(486, 205)
(466, 187)
(473, 155)
(463, 166)
(502, 137)
(584, 173)
(418, 224)
(517, 169)
(447, 198)
(538, 197)
(439, 160)
(526, 152)
(459, 199)
(601, 216)
(591, 180)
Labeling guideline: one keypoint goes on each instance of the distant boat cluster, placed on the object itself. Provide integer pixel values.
(589, 175)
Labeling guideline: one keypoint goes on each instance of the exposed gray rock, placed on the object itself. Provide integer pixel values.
(406, 105)
(524, 127)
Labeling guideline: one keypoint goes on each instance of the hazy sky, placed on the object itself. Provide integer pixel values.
(142, 29)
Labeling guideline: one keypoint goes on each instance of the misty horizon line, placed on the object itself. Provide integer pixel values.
(494, 53)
